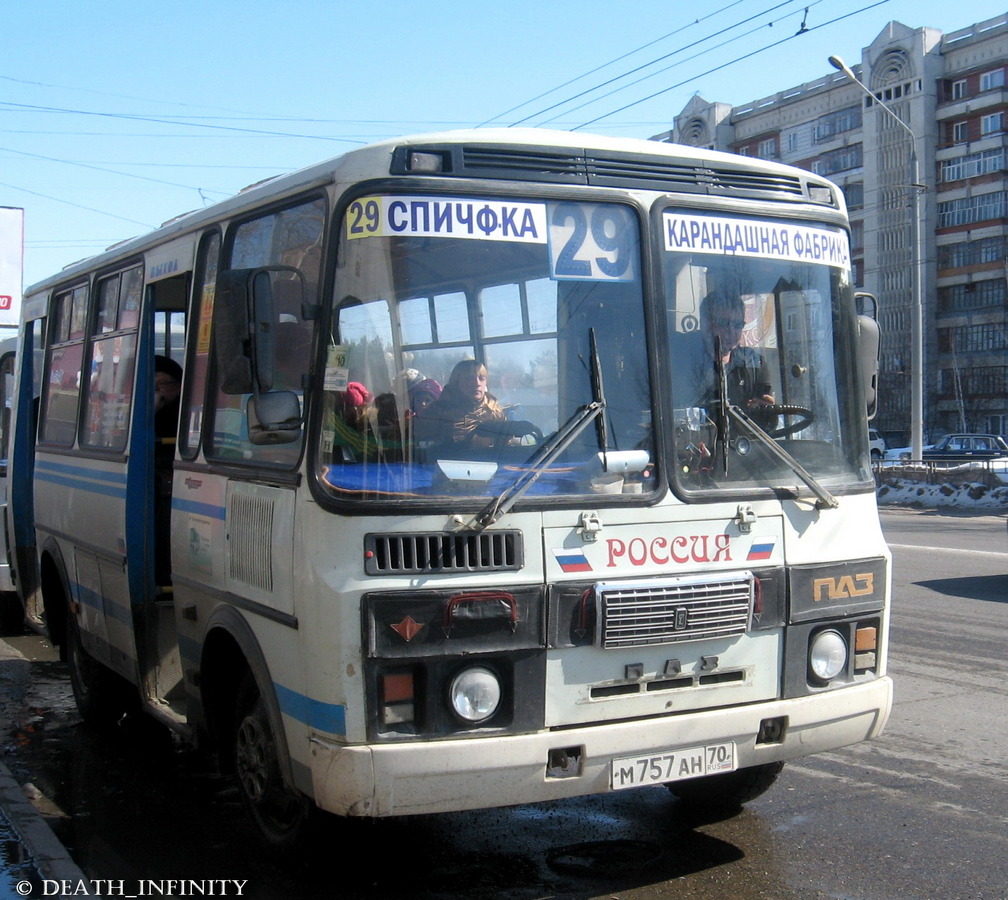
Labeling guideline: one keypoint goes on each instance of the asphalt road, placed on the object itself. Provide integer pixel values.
(918, 813)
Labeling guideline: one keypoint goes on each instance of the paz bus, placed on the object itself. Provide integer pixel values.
(618, 579)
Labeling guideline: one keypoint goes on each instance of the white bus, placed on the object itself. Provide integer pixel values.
(612, 573)
(11, 613)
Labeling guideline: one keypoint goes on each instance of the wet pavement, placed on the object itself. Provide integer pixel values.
(30, 852)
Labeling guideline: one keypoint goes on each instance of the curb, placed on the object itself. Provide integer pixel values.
(46, 853)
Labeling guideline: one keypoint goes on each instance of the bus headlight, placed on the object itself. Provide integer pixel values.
(827, 655)
(475, 694)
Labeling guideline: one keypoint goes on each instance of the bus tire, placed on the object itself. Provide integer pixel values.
(728, 791)
(281, 814)
(102, 697)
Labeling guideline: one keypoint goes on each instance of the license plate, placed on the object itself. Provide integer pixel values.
(675, 765)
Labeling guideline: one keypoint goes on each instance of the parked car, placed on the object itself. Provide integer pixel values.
(876, 444)
(959, 448)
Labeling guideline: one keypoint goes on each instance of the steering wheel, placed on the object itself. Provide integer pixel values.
(500, 431)
(805, 417)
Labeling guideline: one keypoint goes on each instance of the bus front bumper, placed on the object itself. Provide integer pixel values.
(505, 770)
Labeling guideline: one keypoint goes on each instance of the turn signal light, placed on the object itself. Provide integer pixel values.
(397, 698)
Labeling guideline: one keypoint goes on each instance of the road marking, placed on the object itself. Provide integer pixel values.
(992, 553)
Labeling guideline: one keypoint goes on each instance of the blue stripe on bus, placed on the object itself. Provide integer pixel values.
(328, 717)
(212, 510)
(107, 606)
(87, 597)
(82, 479)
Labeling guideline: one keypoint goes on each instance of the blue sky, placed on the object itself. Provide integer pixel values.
(117, 116)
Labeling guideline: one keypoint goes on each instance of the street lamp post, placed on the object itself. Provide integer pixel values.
(916, 311)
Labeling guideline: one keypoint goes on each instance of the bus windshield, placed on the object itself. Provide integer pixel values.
(466, 345)
(762, 347)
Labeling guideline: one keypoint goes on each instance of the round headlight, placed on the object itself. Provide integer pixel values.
(827, 655)
(475, 694)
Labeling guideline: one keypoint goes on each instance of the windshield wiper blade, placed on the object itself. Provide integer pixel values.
(825, 500)
(545, 455)
(555, 445)
(598, 395)
(722, 423)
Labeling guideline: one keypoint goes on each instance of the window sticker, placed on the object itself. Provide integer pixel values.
(450, 217)
(337, 371)
(593, 242)
(767, 239)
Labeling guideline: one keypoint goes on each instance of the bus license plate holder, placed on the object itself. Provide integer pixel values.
(673, 765)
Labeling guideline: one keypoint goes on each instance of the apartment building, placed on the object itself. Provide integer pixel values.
(949, 165)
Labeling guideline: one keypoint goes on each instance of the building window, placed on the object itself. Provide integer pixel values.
(768, 148)
(857, 237)
(991, 80)
(854, 195)
(972, 165)
(973, 338)
(970, 210)
(971, 253)
(792, 141)
(992, 124)
(960, 132)
(841, 160)
(828, 126)
(973, 295)
(959, 89)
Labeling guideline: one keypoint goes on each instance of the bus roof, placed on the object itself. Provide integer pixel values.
(367, 162)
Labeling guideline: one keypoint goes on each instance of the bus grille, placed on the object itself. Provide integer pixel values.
(640, 614)
(628, 171)
(498, 551)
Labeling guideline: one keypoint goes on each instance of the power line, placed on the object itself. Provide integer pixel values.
(724, 43)
(654, 62)
(83, 165)
(100, 212)
(171, 121)
(610, 63)
(804, 30)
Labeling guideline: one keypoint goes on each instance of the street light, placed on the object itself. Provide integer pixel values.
(916, 312)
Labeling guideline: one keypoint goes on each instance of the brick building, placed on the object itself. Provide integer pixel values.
(950, 90)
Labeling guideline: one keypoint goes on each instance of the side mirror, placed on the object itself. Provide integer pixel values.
(245, 323)
(869, 348)
(274, 417)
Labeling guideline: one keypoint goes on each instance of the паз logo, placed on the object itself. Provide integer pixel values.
(843, 587)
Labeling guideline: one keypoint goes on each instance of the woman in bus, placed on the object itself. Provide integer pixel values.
(453, 420)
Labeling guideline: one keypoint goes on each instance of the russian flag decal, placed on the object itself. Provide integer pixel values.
(572, 560)
(762, 548)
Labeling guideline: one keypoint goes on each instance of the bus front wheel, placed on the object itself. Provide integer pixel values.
(727, 791)
(280, 813)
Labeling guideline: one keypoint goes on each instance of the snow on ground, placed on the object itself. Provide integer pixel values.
(966, 488)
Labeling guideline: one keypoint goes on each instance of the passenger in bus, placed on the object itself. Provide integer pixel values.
(747, 376)
(454, 418)
(167, 389)
(423, 394)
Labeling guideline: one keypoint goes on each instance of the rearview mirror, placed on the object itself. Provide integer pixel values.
(274, 417)
(869, 348)
(245, 322)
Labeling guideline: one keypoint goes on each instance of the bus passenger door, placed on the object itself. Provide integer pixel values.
(149, 506)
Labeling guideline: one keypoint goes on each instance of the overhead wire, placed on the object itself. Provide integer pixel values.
(804, 30)
(611, 62)
(660, 59)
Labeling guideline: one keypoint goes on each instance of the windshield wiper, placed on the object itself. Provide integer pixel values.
(553, 446)
(825, 500)
(722, 423)
(549, 451)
